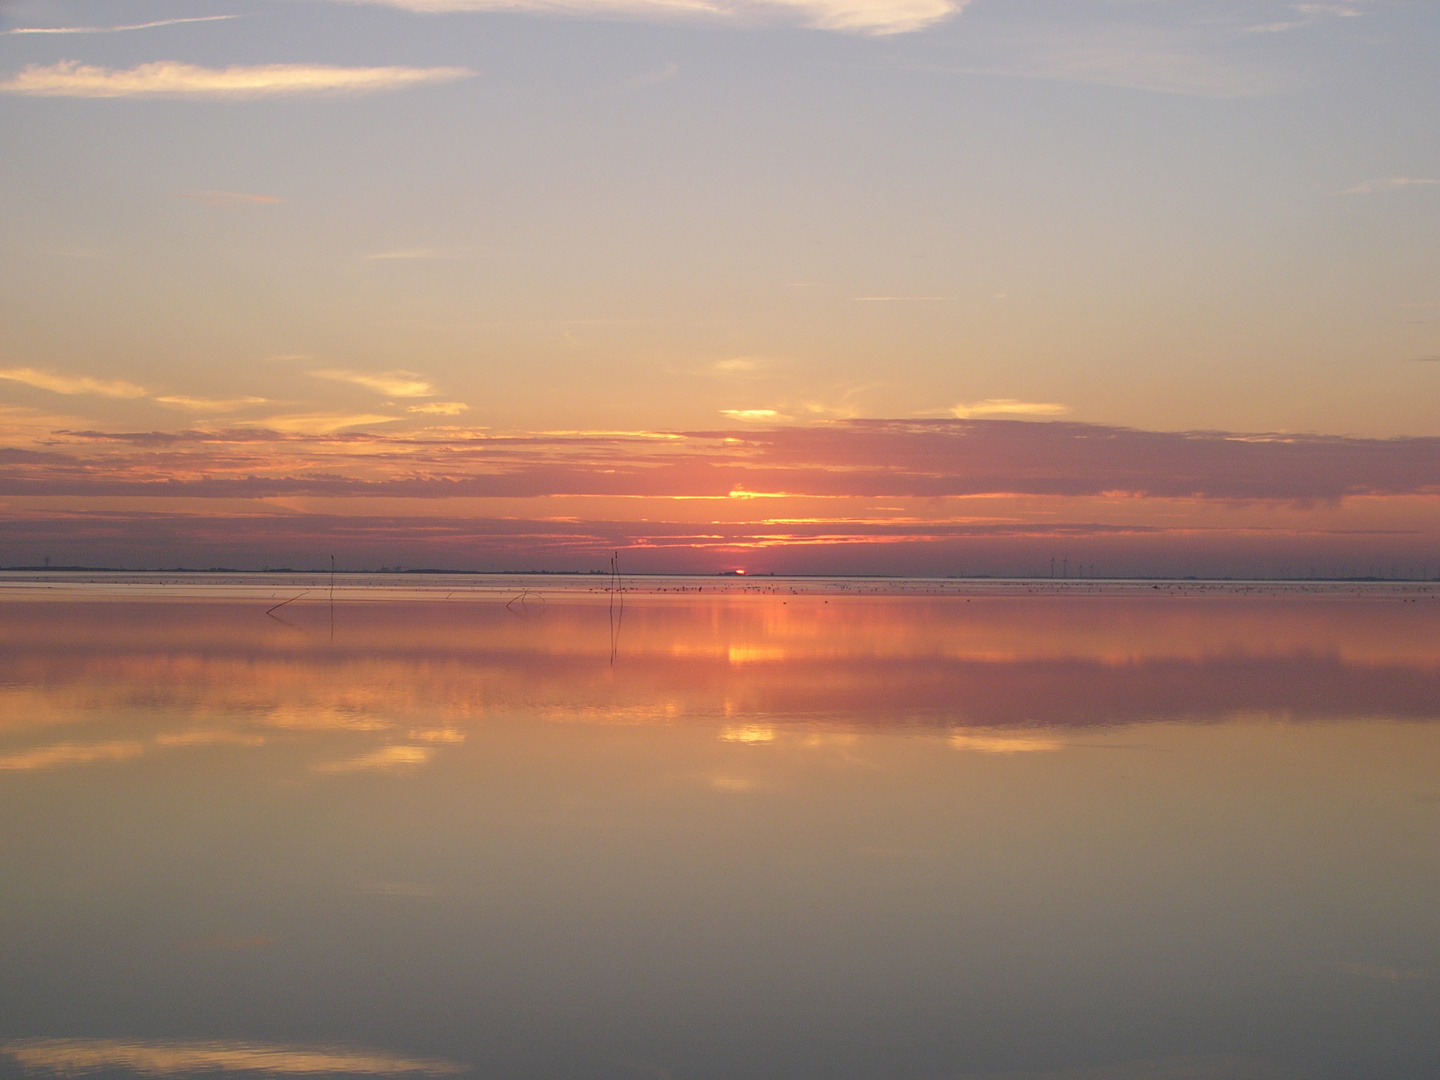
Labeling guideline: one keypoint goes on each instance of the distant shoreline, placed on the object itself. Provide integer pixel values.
(725, 575)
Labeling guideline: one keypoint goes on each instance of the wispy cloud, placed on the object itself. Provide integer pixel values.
(118, 388)
(226, 198)
(72, 384)
(117, 29)
(738, 365)
(398, 383)
(170, 78)
(303, 455)
(176, 1057)
(1389, 183)
(439, 408)
(852, 16)
(1008, 407)
(201, 404)
(317, 423)
(752, 415)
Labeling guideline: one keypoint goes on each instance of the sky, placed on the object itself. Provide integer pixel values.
(859, 286)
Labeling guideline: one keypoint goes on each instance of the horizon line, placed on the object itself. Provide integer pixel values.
(767, 575)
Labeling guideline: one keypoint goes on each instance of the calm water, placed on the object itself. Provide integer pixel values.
(497, 827)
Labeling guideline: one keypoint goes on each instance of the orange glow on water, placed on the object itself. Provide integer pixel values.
(895, 784)
(82, 674)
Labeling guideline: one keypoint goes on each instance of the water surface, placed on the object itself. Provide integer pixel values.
(712, 829)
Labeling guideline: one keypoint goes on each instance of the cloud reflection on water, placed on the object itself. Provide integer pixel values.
(403, 681)
(385, 759)
(894, 836)
(990, 743)
(69, 1057)
(69, 753)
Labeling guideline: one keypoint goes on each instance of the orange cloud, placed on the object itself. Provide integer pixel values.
(1008, 407)
(72, 384)
(401, 384)
(170, 78)
(317, 453)
(933, 496)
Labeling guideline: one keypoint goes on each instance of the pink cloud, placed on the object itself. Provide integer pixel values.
(922, 459)
(1133, 501)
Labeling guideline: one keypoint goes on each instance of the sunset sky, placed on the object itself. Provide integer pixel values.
(882, 286)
